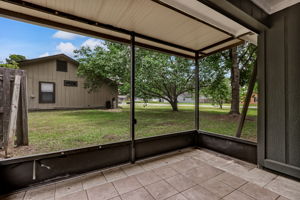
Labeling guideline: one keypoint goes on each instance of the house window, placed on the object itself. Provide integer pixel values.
(47, 92)
(70, 83)
(61, 66)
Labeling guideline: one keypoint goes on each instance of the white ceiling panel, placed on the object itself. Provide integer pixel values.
(195, 27)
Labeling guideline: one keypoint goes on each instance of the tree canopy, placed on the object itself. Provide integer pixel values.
(157, 75)
(161, 75)
(13, 61)
(235, 64)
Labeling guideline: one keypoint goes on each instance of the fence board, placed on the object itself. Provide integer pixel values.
(7, 78)
(24, 109)
(6, 95)
(12, 126)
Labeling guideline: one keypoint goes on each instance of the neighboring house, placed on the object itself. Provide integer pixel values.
(204, 99)
(253, 100)
(52, 83)
(122, 99)
(185, 98)
(188, 98)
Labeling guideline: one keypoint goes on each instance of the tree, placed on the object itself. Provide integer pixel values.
(236, 63)
(240, 61)
(213, 81)
(157, 75)
(163, 76)
(218, 91)
(105, 62)
(11, 66)
(13, 61)
(235, 82)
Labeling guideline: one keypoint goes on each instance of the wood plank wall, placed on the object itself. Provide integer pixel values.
(279, 129)
(6, 89)
(66, 97)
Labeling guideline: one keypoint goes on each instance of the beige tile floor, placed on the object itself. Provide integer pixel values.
(191, 174)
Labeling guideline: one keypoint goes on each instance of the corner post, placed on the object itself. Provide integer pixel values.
(197, 88)
(132, 101)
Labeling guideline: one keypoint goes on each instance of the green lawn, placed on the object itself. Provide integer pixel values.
(60, 130)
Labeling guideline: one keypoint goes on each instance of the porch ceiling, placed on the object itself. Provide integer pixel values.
(177, 27)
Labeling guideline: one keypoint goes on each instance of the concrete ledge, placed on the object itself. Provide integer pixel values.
(231, 146)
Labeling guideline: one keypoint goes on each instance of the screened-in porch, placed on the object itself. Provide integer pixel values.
(186, 163)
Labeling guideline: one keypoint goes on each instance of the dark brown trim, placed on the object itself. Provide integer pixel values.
(197, 91)
(244, 34)
(43, 22)
(236, 14)
(216, 44)
(223, 49)
(132, 98)
(40, 93)
(164, 42)
(105, 26)
(91, 22)
(146, 46)
(224, 41)
(70, 83)
(46, 58)
(58, 67)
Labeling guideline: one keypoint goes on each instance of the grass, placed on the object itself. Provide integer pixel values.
(61, 130)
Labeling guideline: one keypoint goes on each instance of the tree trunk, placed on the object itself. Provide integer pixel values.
(235, 83)
(174, 105)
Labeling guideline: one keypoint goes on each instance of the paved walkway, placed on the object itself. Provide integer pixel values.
(186, 175)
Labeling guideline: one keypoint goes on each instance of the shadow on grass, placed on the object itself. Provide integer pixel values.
(61, 130)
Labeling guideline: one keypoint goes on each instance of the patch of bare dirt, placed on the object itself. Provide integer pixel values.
(111, 137)
(230, 118)
(19, 151)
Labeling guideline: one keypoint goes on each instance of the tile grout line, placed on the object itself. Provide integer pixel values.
(238, 190)
(115, 188)
(87, 196)
(159, 165)
(258, 186)
(269, 182)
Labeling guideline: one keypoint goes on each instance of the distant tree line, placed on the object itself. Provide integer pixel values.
(12, 61)
(165, 76)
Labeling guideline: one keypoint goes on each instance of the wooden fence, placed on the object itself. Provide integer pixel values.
(13, 109)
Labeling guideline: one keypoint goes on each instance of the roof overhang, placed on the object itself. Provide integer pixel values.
(272, 6)
(183, 28)
(48, 58)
